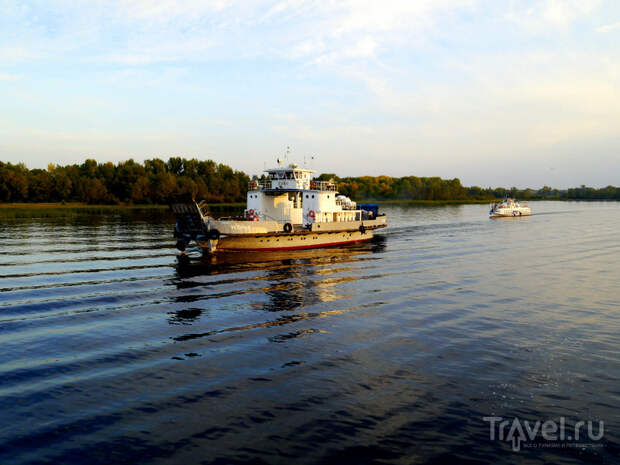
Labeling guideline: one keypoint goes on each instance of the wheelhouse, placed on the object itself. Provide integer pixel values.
(290, 195)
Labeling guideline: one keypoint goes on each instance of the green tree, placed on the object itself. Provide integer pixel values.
(94, 191)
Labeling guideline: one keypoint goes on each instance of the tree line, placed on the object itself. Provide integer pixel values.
(151, 182)
(434, 188)
(159, 182)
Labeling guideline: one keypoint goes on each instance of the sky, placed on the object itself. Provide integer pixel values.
(496, 92)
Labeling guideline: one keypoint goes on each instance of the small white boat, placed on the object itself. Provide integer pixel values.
(286, 211)
(509, 207)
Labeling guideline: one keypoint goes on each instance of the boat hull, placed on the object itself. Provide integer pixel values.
(511, 212)
(280, 242)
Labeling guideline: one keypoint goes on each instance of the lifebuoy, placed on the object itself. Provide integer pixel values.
(254, 185)
(288, 227)
(312, 185)
(311, 214)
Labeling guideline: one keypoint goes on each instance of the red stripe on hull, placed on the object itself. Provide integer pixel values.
(297, 247)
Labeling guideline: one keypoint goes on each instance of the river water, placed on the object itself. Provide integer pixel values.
(391, 352)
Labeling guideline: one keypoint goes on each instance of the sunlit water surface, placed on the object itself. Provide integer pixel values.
(389, 352)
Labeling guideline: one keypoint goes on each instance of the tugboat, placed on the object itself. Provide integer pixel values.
(509, 207)
(287, 211)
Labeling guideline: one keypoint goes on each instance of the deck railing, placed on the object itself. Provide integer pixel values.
(512, 205)
(258, 185)
(314, 185)
(323, 186)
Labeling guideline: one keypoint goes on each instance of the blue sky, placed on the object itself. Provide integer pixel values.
(522, 93)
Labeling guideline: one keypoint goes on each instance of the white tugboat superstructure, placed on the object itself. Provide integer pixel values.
(286, 211)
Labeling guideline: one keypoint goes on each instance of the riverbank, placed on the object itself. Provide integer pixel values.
(427, 202)
(214, 206)
(473, 201)
(82, 205)
(219, 206)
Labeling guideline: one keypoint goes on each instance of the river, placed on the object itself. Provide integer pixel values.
(396, 351)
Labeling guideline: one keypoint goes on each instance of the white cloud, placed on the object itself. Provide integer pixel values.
(575, 91)
(144, 32)
(19, 54)
(9, 77)
(144, 52)
(538, 16)
(520, 110)
(608, 27)
(564, 12)
(139, 77)
(163, 11)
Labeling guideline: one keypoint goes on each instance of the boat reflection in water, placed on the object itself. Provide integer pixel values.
(292, 279)
(231, 262)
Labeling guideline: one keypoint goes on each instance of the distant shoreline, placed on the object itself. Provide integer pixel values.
(472, 201)
(427, 202)
(86, 206)
(154, 183)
